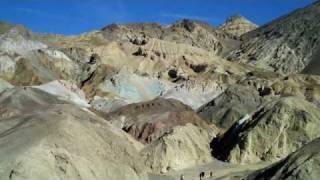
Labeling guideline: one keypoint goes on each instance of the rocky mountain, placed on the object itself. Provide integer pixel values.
(302, 164)
(285, 45)
(147, 121)
(152, 101)
(165, 126)
(238, 25)
(233, 104)
(269, 134)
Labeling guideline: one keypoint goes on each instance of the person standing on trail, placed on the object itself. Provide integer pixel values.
(202, 176)
(182, 177)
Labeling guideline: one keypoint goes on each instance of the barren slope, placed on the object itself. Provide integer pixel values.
(285, 45)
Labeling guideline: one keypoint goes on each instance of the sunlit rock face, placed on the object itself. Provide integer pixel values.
(272, 132)
(20, 40)
(183, 147)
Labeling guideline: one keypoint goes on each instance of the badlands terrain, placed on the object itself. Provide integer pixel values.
(148, 101)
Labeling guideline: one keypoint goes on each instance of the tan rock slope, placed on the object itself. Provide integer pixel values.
(61, 141)
(271, 133)
(183, 147)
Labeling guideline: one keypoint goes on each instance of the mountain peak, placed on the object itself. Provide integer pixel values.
(238, 25)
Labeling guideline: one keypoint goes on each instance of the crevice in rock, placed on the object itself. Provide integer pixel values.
(198, 68)
(173, 73)
(91, 76)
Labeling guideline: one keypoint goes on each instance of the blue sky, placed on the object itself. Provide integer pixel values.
(77, 16)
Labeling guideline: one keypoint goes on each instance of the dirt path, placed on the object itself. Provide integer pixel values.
(219, 170)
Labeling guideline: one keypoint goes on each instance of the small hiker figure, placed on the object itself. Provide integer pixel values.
(211, 174)
(202, 176)
(93, 59)
(182, 177)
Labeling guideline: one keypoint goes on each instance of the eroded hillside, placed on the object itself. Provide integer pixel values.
(148, 101)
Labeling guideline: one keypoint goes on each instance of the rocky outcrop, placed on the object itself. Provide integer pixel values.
(27, 60)
(161, 57)
(174, 136)
(285, 45)
(238, 25)
(28, 72)
(8, 64)
(195, 34)
(183, 147)
(300, 165)
(231, 105)
(41, 66)
(20, 40)
(132, 32)
(4, 85)
(66, 91)
(106, 105)
(271, 133)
